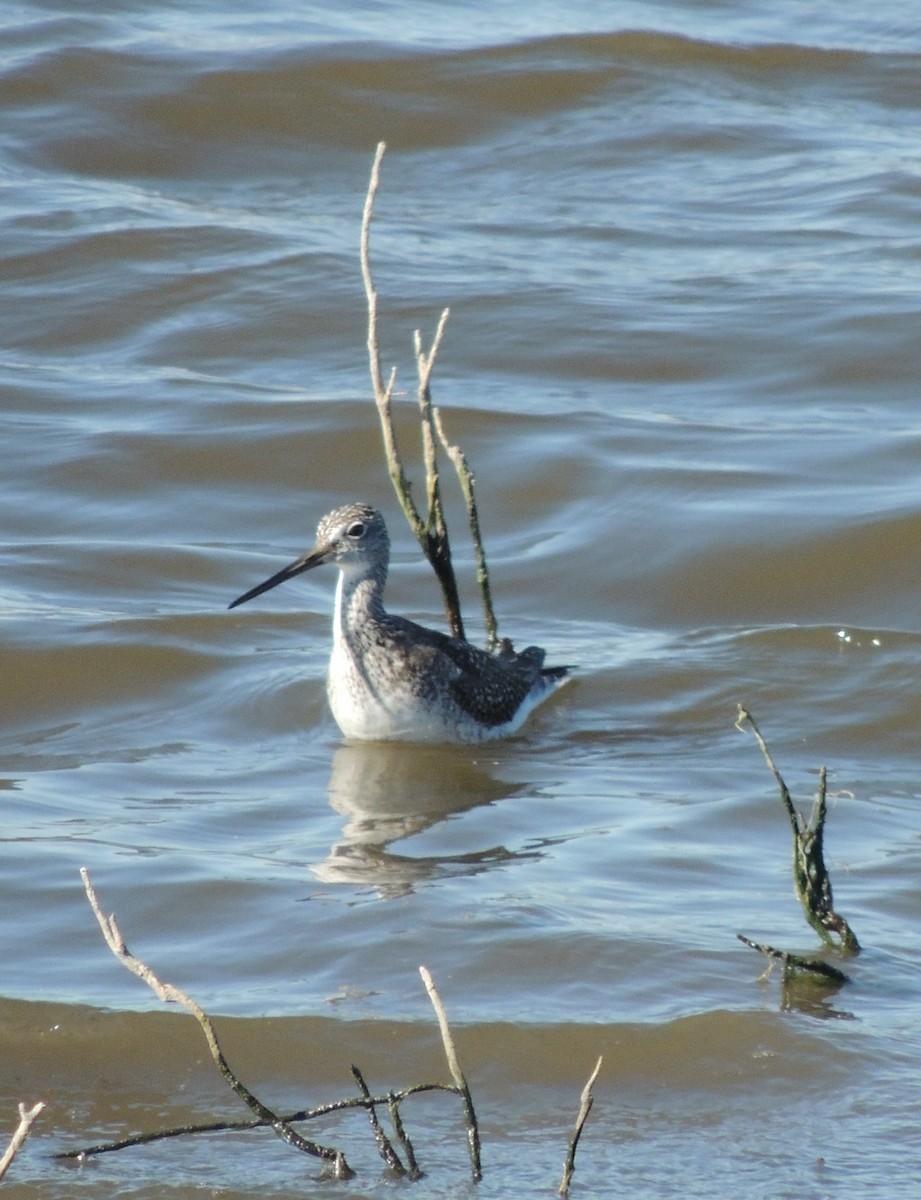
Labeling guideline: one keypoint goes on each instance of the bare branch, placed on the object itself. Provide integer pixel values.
(430, 531)
(425, 364)
(380, 392)
(303, 1114)
(383, 395)
(27, 1117)
(585, 1107)
(473, 1134)
(434, 541)
(465, 475)
(171, 994)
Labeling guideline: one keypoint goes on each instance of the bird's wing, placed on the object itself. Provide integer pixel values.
(491, 687)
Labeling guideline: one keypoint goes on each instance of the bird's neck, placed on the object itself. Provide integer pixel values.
(359, 602)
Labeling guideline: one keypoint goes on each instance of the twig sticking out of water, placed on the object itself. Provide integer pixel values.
(396, 1120)
(384, 1145)
(805, 983)
(263, 1115)
(465, 475)
(430, 531)
(473, 1134)
(170, 994)
(392, 1099)
(795, 962)
(27, 1118)
(811, 881)
(585, 1107)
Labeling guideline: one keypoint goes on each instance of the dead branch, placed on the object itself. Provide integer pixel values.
(303, 1114)
(384, 1145)
(412, 1167)
(806, 984)
(434, 538)
(473, 1134)
(425, 364)
(170, 994)
(465, 476)
(27, 1118)
(811, 880)
(585, 1107)
(431, 530)
(383, 395)
(794, 962)
(263, 1116)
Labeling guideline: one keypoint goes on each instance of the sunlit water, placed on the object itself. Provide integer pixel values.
(680, 247)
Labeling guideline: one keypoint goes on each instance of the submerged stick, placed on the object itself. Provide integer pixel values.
(806, 984)
(473, 1133)
(27, 1118)
(170, 994)
(811, 881)
(585, 1107)
(795, 962)
(303, 1114)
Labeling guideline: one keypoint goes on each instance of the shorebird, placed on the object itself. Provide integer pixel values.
(391, 679)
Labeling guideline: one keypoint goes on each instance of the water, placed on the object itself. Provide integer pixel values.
(679, 245)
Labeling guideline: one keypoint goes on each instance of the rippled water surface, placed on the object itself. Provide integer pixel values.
(680, 246)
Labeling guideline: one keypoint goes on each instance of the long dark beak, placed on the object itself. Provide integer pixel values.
(313, 558)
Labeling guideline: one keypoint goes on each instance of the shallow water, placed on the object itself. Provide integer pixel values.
(679, 245)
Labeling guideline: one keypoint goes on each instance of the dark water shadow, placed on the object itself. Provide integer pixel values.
(387, 793)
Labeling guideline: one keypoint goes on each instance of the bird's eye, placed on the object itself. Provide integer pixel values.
(356, 530)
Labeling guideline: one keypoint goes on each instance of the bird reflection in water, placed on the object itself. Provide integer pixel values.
(387, 794)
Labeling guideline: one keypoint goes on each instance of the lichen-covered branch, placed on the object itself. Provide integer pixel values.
(816, 967)
(383, 1143)
(412, 1167)
(806, 984)
(811, 880)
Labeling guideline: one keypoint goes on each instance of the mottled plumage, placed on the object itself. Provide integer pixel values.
(390, 678)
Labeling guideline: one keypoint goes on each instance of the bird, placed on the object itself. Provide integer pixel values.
(391, 679)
